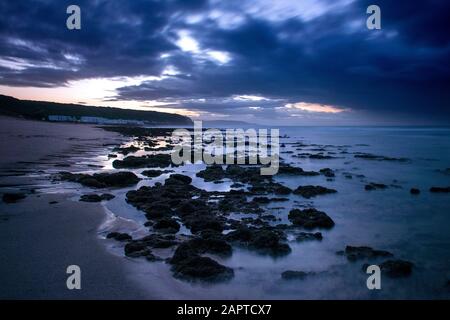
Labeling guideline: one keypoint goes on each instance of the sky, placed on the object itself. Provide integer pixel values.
(283, 62)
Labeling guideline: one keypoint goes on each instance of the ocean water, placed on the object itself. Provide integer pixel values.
(413, 227)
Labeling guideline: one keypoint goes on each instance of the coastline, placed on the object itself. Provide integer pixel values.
(42, 239)
(39, 239)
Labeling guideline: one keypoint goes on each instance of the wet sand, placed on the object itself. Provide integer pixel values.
(29, 141)
(39, 239)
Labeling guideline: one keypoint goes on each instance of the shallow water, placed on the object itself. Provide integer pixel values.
(414, 228)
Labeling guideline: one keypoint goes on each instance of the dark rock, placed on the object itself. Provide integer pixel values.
(397, 268)
(327, 172)
(262, 200)
(149, 161)
(312, 191)
(154, 173)
(374, 186)
(289, 170)
(177, 179)
(211, 173)
(306, 236)
(310, 218)
(368, 156)
(262, 240)
(167, 225)
(118, 236)
(294, 275)
(281, 190)
(102, 180)
(159, 241)
(126, 150)
(157, 210)
(13, 197)
(202, 268)
(211, 244)
(414, 191)
(197, 224)
(319, 156)
(96, 198)
(136, 249)
(186, 263)
(152, 258)
(237, 185)
(440, 189)
(357, 253)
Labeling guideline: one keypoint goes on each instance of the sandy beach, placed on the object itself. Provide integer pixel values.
(44, 233)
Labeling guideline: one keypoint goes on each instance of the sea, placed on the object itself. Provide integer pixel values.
(414, 228)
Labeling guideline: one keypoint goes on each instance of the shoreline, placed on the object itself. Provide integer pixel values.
(44, 233)
(39, 232)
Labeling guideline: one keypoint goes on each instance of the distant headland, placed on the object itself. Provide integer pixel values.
(61, 112)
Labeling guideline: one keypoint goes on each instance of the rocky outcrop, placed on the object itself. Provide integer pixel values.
(310, 218)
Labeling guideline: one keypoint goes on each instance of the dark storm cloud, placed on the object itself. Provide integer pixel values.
(117, 38)
(328, 57)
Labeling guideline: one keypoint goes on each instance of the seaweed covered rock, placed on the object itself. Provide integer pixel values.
(375, 186)
(126, 150)
(357, 253)
(152, 173)
(307, 236)
(440, 189)
(263, 240)
(395, 268)
(136, 249)
(310, 218)
(286, 169)
(148, 161)
(202, 268)
(312, 191)
(118, 236)
(188, 264)
(102, 180)
(96, 197)
(167, 225)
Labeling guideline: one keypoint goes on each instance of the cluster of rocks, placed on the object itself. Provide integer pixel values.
(312, 191)
(393, 268)
(159, 160)
(102, 180)
(310, 218)
(152, 173)
(126, 150)
(357, 253)
(207, 214)
(96, 197)
(308, 236)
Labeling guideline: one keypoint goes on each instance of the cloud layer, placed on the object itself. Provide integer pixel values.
(260, 61)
